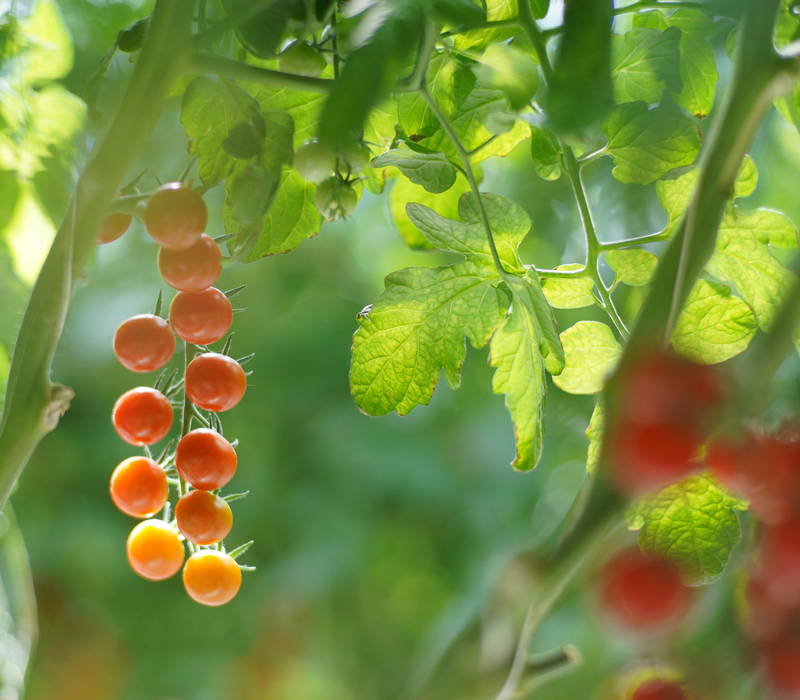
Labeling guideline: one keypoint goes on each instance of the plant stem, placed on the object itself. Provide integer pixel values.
(33, 404)
(466, 163)
(601, 519)
(573, 172)
(227, 68)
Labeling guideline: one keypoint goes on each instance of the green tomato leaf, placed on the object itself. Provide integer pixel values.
(591, 351)
(644, 63)
(48, 50)
(546, 153)
(511, 71)
(292, 218)
(211, 109)
(510, 224)
(693, 522)
(496, 10)
(370, 69)
(569, 292)
(302, 107)
(646, 144)
(633, 266)
(516, 353)
(713, 326)
(416, 329)
(743, 258)
(594, 433)
(581, 91)
(404, 191)
(449, 83)
(699, 76)
(431, 170)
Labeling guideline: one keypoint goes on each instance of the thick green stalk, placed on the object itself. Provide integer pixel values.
(33, 403)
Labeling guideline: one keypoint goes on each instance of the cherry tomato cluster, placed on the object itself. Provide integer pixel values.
(203, 461)
(666, 410)
(765, 470)
(335, 197)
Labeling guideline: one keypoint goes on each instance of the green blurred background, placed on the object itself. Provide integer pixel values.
(393, 555)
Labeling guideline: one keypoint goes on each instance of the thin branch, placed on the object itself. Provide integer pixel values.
(227, 68)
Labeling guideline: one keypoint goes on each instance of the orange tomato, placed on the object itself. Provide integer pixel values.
(201, 317)
(205, 459)
(203, 518)
(154, 550)
(211, 577)
(215, 382)
(142, 416)
(139, 487)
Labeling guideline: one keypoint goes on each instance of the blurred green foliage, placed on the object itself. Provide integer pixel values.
(391, 553)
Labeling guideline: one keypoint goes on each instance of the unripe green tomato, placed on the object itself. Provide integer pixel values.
(314, 161)
(130, 39)
(335, 199)
(299, 58)
(356, 155)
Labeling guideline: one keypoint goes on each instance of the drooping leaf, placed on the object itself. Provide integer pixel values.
(569, 292)
(646, 144)
(714, 325)
(431, 170)
(416, 329)
(516, 355)
(633, 266)
(645, 63)
(693, 523)
(591, 351)
(581, 91)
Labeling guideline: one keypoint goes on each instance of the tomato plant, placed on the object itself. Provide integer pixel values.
(595, 196)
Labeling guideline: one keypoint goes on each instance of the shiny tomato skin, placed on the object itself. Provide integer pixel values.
(139, 487)
(175, 216)
(659, 689)
(643, 593)
(144, 343)
(201, 317)
(205, 459)
(142, 416)
(154, 550)
(113, 226)
(211, 577)
(215, 382)
(193, 269)
(203, 517)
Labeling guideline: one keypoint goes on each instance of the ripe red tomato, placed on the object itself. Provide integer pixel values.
(659, 689)
(203, 518)
(113, 226)
(144, 343)
(779, 563)
(193, 269)
(201, 317)
(139, 487)
(211, 577)
(644, 457)
(643, 593)
(142, 416)
(154, 550)
(763, 618)
(781, 666)
(215, 382)
(662, 387)
(175, 216)
(205, 459)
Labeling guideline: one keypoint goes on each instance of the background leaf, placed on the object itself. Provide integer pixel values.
(591, 351)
